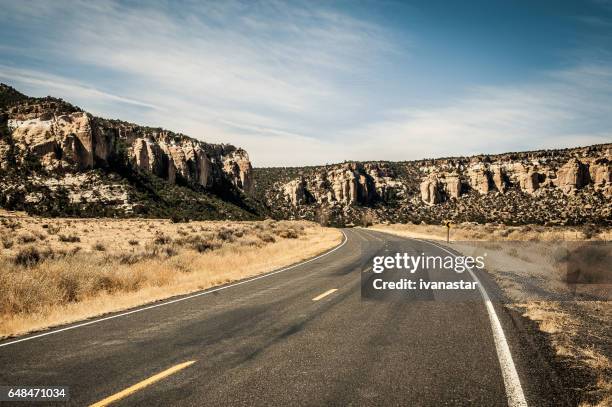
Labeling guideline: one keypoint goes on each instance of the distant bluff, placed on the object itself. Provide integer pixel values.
(551, 187)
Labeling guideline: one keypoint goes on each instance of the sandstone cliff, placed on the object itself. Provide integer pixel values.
(63, 139)
(570, 186)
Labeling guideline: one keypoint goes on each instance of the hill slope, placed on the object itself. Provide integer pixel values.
(57, 159)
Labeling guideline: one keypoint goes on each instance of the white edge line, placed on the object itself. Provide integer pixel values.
(512, 383)
(208, 291)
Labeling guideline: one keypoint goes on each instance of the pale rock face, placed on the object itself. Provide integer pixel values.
(452, 185)
(347, 184)
(571, 176)
(344, 185)
(204, 168)
(178, 158)
(430, 192)
(104, 144)
(479, 180)
(64, 137)
(601, 176)
(79, 125)
(166, 159)
(529, 181)
(143, 156)
(499, 178)
(238, 167)
(38, 134)
(295, 191)
(149, 156)
(69, 134)
(384, 183)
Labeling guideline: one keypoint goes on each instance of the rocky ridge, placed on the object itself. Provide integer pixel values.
(63, 139)
(545, 187)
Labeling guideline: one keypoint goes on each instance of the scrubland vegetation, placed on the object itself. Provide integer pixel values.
(55, 271)
(486, 232)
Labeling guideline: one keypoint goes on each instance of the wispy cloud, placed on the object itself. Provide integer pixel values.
(60, 85)
(564, 108)
(292, 82)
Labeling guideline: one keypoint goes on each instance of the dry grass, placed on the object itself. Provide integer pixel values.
(117, 264)
(527, 262)
(477, 232)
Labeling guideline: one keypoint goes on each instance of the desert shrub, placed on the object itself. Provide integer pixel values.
(69, 287)
(504, 232)
(99, 247)
(322, 217)
(269, 224)
(133, 242)
(179, 219)
(206, 245)
(30, 256)
(53, 230)
(131, 258)
(288, 233)
(250, 241)
(6, 242)
(105, 283)
(182, 232)
(266, 238)
(27, 238)
(199, 243)
(10, 224)
(226, 235)
(69, 238)
(161, 239)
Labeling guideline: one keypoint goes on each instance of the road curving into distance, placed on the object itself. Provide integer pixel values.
(300, 336)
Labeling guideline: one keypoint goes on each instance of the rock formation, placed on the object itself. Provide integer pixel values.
(546, 187)
(529, 180)
(62, 136)
(48, 146)
(499, 178)
(479, 179)
(295, 191)
(430, 190)
(571, 176)
(601, 176)
(452, 185)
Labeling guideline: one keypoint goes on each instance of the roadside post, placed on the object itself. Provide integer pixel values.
(448, 226)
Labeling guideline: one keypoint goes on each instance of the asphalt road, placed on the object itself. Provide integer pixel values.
(304, 336)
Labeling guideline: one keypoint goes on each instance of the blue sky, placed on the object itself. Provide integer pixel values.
(299, 83)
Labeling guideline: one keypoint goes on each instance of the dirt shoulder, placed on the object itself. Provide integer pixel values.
(532, 266)
(57, 271)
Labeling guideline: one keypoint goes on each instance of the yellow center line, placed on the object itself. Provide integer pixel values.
(141, 385)
(325, 294)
